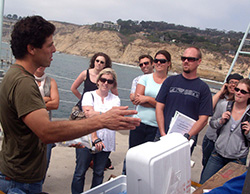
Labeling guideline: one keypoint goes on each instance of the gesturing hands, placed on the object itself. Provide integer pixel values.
(116, 119)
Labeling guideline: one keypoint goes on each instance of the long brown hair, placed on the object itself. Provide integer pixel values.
(108, 62)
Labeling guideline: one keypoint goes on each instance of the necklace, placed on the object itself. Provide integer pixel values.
(240, 111)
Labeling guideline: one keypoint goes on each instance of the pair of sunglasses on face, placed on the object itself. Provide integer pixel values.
(189, 59)
(144, 63)
(155, 61)
(104, 80)
(241, 91)
(97, 60)
(160, 60)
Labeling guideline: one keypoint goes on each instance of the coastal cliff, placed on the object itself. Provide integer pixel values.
(83, 41)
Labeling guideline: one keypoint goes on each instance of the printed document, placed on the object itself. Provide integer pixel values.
(180, 123)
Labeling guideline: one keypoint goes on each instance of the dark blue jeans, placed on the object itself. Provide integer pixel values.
(142, 134)
(10, 186)
(83, 159)
(49, 150)
(215, 163)
(207, 149)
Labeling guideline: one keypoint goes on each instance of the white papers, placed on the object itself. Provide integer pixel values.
(180, 123)
(83, 141)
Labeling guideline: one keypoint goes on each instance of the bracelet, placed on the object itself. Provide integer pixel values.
(97, 141)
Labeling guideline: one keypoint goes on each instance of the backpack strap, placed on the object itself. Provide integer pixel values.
(246, 117)
(229, 108)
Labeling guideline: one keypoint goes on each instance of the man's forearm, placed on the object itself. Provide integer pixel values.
(198, 125)
(56, 131)
(160, 119)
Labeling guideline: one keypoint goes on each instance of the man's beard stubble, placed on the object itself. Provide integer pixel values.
(186, 71)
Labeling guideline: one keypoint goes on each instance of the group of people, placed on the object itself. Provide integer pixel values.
(99, 95)
(23, 115)
(227, 136)
(27, 93)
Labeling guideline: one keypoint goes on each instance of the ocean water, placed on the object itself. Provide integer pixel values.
(66, 68)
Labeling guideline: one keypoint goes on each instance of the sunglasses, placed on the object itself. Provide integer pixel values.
(160, 60)
(104, 80)
(144, 63)
(102, 62)
(241, 91)
(190, 59)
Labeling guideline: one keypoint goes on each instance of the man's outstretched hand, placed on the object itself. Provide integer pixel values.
(117, 119)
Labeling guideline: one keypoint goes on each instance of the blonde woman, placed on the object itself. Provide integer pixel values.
(94, 103)
(98, 62)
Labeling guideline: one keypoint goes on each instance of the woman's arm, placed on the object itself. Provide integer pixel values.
(81, 78)
(216, 97)
(52, 102)
(100, 145)
(141, 99)
(220, 116)
(89, 111)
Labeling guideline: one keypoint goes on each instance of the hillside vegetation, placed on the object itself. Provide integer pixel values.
(128, 44)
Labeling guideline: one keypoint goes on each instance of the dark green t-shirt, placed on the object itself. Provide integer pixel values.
(23, 155)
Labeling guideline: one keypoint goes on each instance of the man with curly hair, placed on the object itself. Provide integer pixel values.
(23, 115)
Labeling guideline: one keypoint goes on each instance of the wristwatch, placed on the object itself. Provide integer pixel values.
(187, 136)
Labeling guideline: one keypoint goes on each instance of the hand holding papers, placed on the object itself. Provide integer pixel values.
(181, 123)
(84, 141)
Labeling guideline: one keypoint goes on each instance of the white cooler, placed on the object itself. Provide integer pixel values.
(161, 167)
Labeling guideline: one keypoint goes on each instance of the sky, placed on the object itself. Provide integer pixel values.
(214, 14)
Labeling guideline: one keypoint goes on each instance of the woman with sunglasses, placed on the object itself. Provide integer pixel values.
(94, 103)
(98, 62)
(233, 140)
(146, 91)
(226, 93)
